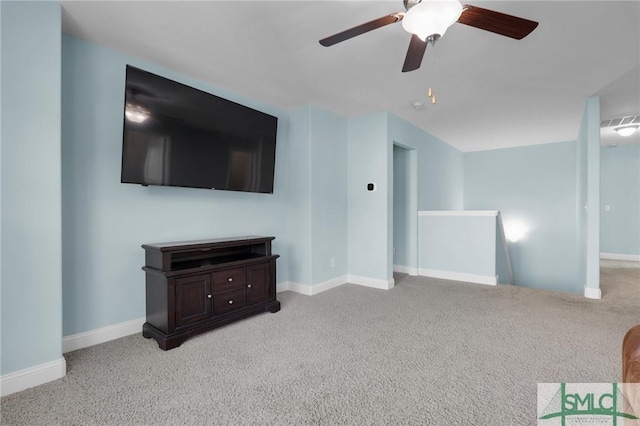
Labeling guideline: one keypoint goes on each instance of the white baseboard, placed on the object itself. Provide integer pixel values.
(283, 286)
(328, 285)
(101, 335)
(460, 276)
(371, 282)
(311, 289)
(299, 288)
(615, 256)
(592, 293)
(406, 270)
(458, 213)
(32, 376)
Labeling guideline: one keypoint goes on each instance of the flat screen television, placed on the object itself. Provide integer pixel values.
(175, 135)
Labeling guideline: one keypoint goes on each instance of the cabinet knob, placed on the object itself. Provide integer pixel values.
(231, 302)
(229, 279)
(209, 296)
(248, 285)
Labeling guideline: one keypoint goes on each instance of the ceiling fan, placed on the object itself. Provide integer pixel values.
(427, 21)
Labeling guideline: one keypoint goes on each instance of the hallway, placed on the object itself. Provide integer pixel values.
(620, 280)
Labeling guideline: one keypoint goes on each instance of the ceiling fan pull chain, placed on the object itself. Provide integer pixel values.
(432, 94)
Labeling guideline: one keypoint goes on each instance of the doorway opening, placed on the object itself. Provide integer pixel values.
(404, 256)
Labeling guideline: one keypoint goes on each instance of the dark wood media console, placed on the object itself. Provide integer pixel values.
(196, 286)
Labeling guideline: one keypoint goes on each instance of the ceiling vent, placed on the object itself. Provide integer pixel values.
(621, 121)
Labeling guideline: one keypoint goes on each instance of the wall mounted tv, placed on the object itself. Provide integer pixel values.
(175, 135)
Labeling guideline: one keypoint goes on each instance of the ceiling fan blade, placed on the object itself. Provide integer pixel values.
(361, 29)
(415, 53)
(496, 22)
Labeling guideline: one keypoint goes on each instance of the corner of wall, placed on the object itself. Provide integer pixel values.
(593, 192)
(592, 293)
(33, 27)
(32, 376)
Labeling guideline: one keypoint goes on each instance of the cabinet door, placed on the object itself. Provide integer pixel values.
(193, 299)
(259, 282)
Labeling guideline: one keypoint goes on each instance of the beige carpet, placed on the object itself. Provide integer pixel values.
(428, 352)
(620, 281)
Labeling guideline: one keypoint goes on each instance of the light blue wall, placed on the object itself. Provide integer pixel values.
(299, 205)
(31, 231)
(593, 193)
(581, 199)
(589, 187)
(536, 185)
(105, 222)
(437, 169)
(620, 189)
(368, 156)
(439, 178)
(317, 207)
(440, 166)
(464, 244)
(328, 190)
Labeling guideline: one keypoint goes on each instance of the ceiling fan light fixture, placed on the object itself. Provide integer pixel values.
(431, 17)
(626, 130)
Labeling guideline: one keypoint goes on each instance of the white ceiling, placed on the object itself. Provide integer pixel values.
(492, 91)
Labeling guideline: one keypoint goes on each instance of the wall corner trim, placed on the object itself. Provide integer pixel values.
(592, 293)
(101, 335)
(33, 376)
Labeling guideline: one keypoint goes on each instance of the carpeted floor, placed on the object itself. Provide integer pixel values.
(620, 280)
(428, 352)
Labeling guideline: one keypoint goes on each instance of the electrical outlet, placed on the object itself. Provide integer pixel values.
(607, 208)
(333, 263)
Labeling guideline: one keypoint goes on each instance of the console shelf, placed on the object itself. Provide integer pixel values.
(196, 286)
